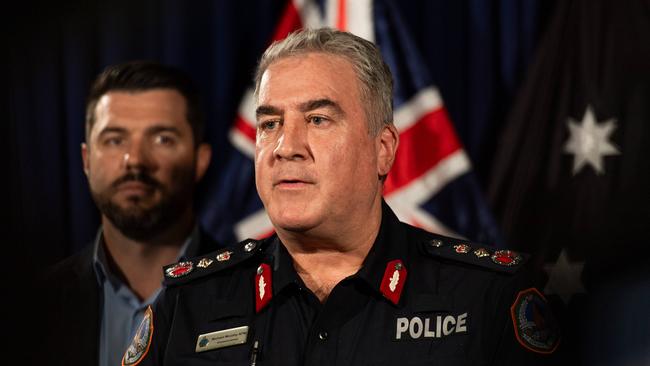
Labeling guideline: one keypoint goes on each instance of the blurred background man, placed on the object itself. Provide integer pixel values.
(143, 156)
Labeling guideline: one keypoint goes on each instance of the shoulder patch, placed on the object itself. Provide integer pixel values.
(507, 261)
(535, 326)
(183, 272)
(141, 341)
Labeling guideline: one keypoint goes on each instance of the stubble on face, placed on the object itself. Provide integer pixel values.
(143, 217)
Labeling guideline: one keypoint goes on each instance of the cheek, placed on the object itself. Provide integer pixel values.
(262, 152)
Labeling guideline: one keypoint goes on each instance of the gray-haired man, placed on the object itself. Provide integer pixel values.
(342, 282)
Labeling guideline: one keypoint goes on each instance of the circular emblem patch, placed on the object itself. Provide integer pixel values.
(535, 326)
(141, 341)
(506, 258)
(179, 269)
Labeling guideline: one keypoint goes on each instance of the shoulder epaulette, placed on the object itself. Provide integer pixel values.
(500, 260)
(188, 270)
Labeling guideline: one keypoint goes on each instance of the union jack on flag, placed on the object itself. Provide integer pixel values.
(431, 184)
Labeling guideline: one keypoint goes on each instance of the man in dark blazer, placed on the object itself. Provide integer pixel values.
(143, 155)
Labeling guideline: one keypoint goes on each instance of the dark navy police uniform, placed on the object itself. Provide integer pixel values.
(419, 299)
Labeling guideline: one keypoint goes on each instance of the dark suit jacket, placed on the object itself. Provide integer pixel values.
(69, 298)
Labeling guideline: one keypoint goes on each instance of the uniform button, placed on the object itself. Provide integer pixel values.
(322, 335)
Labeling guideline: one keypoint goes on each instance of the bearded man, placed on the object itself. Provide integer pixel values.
(143, 155)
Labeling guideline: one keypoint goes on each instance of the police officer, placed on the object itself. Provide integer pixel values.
(343, 281)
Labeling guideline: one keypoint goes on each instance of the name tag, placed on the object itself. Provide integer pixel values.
(221, 339)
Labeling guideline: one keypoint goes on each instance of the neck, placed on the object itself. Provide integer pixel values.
(139, 262)
(323, 260)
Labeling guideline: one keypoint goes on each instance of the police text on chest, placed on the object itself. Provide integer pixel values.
(430, 327)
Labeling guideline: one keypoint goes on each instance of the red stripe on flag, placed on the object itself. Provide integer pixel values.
(289, 22)
(242, 126)
(422, 146)
(342, 22)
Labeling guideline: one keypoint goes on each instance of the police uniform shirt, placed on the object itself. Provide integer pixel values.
(417, 300)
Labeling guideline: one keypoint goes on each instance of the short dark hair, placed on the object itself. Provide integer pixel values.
(135, 76)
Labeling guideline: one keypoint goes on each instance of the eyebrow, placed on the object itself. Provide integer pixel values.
(310, 105)
(150, 130)
(157, 129)
(267, 110)
(111, 130)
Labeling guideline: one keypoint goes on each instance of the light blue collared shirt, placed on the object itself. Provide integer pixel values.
(122, 311)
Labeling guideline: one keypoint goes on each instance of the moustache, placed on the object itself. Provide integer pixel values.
(137, 177)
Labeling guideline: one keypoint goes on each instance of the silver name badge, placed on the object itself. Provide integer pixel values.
(221, 339)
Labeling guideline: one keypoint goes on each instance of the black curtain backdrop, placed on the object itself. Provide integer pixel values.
(477, 53)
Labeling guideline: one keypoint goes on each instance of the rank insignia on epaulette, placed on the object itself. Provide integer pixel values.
(481, 253)
(179, 269)
(535, 326)
(506, 257)
(250, 246)
(462, 248)
(505, 261)
(141, 341)
(204, 263)
(224, 256)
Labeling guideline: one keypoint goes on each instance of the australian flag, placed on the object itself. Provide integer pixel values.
(571, 177)
(431, 184)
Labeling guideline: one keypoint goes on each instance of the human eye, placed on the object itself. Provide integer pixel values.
(268, 125)
(317, 120)
(165, 139)
(113, 140)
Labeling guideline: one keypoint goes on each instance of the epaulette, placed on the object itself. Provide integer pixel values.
(501, 260)
(188, 270)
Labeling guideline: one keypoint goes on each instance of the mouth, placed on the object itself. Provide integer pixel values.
(134, 187)
(291, 184)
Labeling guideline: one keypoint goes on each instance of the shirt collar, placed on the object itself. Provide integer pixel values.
(189, 249)
(389, 244)
(283, 271)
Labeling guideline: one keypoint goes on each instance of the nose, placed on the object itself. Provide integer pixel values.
(137, 155)
(293, 142)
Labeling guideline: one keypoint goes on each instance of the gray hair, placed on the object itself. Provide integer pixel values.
(376, 82)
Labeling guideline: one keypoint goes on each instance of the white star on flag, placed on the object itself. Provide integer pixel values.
(589, 141)
(564, 277)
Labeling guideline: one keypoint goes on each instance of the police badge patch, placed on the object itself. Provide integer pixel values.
(535, 325)
(141, 341)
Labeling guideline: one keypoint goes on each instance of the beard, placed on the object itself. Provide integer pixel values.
(141, 220)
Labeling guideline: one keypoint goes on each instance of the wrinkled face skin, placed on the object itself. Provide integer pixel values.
(316, 167)
(141, 161)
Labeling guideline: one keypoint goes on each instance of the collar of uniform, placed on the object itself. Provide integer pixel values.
(389, 245)
(284, 274)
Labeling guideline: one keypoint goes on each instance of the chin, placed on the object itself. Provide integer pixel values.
(293, 222)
